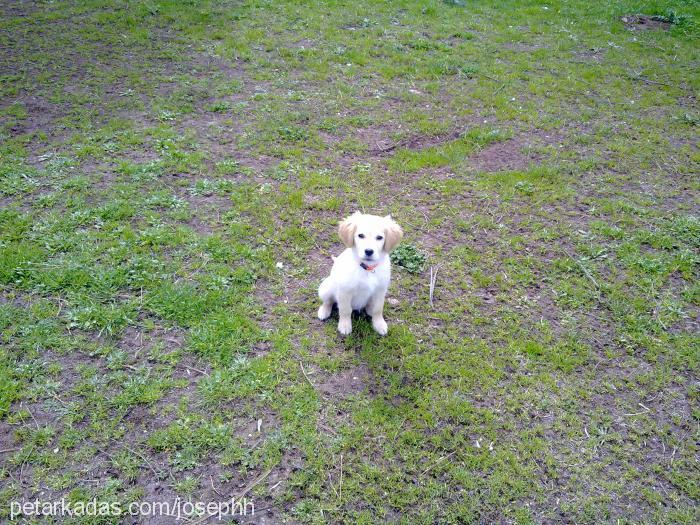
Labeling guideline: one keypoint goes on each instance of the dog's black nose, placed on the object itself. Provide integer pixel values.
(368, 252)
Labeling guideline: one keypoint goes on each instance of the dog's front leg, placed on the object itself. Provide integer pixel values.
(375, 308)
(344, 313)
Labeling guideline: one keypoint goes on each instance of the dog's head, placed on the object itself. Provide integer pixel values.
(370, 236)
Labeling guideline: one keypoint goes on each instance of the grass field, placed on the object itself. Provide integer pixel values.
(171, 178)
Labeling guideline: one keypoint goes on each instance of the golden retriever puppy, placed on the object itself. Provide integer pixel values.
(360, 275)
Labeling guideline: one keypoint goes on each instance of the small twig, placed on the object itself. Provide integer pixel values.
(396, 434)
(388, 149)
(433, 279)
(306, 376)
(188, 368)
(328, 429)
(31, 451)
(139, 336)
(584, 269)
(330, 480)
(238, 496)
(273, 487)
(647, 81)
(257, 511)
(489, 77)
(5, 450)
(60, 400)
(32, 415)
(255, 445)
(439, 461)
(340, 488)
(111, 458)
(211, 479)
(156, 472)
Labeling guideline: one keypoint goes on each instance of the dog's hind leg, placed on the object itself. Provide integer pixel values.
(326, 295)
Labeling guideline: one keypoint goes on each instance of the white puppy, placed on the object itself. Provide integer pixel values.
(360, 275)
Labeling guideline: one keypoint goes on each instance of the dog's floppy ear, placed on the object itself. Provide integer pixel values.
(392, 233)
(347, 228)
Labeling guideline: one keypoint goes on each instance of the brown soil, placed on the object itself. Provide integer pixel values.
(645, 22)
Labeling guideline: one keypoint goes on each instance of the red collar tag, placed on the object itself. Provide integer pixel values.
(367, 267)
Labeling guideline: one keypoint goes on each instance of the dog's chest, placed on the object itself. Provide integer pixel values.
(366, 285)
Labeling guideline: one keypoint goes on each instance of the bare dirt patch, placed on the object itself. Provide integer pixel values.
(645, 22)
(501, 156)
(418, 142)
(346, 383)
(523, 47)
(590, 55)
(378, 138)
(513, 154)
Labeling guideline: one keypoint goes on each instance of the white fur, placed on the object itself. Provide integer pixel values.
(353, 287)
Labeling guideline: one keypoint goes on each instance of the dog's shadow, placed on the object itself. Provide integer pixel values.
(360, 320)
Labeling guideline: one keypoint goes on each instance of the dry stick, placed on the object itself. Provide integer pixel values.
(273, 487)
(211, 479)
(245, 491)
(396, 434)
(498, 90)
(340, 488)
(307, 377)
(35, 421)
(60, 400)
(438, 462)
(646, 408)
(654, 82)
(31, 451)
(330, 480)
(5, 450)
(489, 77)
(433, 278)
(255, 445)
(401, 143)
(583, 268)
(144, 459)
(106, 453)
(13, 479)
(186, 367)
(328, 429)
(257, 511)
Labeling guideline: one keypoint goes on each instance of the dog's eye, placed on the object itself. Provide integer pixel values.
(379, 237)
(361, 236)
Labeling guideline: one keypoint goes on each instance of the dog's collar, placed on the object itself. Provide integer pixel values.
(368, 267)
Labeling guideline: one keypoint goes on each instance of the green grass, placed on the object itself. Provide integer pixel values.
(171, 177)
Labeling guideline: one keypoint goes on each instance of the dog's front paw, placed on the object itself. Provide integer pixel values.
(324, 311)
(380, 326)
(345, 326)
